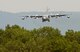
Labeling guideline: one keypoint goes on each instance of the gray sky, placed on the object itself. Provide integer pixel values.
(39, 5)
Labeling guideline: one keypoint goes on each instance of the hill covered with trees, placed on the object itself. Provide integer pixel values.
(46, 39)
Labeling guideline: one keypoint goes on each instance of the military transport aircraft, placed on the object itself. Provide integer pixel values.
(46, 17)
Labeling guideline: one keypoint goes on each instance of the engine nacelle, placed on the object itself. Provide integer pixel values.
(68, 16)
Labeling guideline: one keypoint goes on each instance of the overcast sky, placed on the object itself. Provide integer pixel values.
(39, 5)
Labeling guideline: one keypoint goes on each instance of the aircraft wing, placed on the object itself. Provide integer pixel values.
(60, 15)
(32, 16)
(36, 16)
(57, 15)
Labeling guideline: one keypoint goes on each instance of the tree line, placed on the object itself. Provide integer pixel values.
(46, 39)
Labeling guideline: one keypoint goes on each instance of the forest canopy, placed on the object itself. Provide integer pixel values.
(46, 39)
